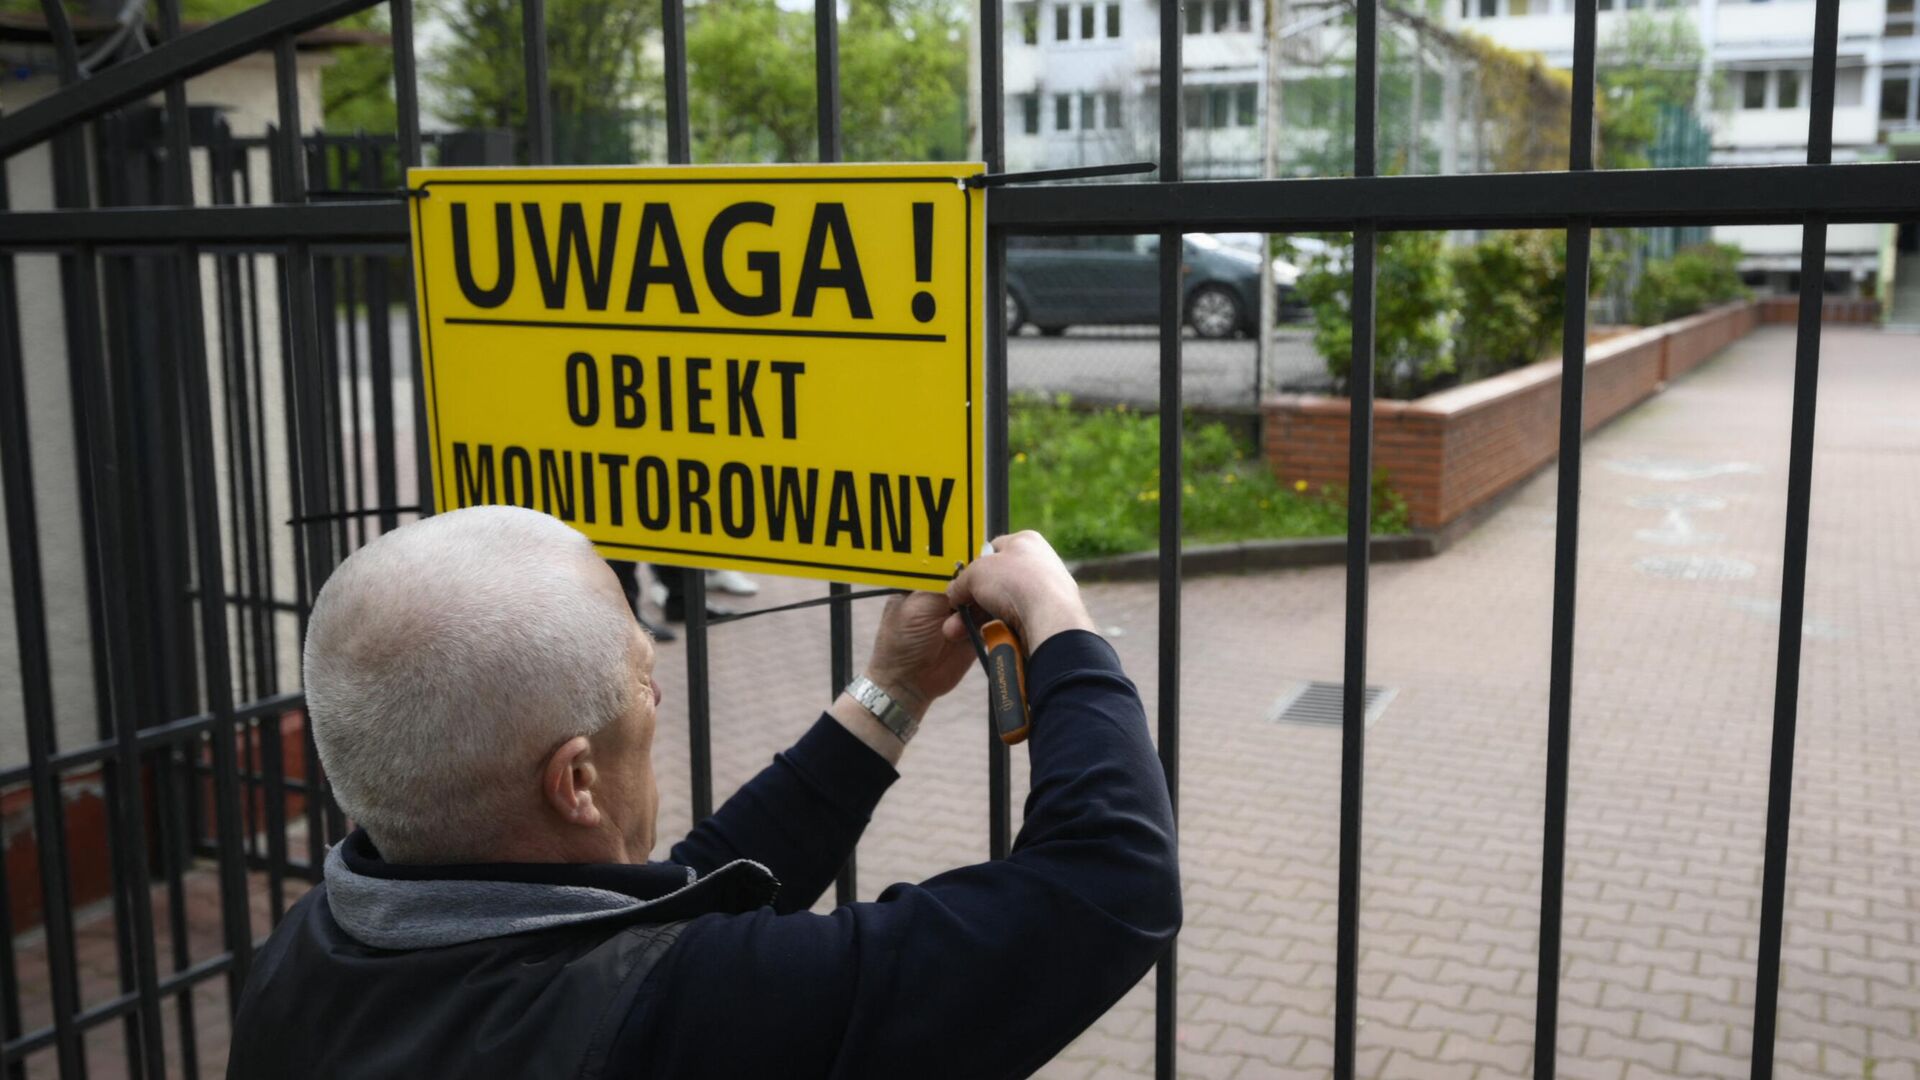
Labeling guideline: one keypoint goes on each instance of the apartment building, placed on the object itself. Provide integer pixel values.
(1082, 77)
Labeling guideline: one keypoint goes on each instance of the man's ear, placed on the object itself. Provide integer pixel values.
(567, 783)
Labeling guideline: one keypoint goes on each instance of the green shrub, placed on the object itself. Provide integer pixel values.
(1695, 278)
(1413, 323)
(1090, 480)
(1513, 296)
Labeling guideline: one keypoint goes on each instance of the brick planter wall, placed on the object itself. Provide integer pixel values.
(1452, 451)
(1834, 309)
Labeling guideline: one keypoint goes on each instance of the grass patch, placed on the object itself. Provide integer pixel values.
(1090, 481)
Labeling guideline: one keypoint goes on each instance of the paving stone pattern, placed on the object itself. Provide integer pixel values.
(1680, 562)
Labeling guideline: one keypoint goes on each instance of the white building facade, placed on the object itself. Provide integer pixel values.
(1082, 75)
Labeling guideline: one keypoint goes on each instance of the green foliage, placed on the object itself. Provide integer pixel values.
(596, 74)
(1694, 279)
(1415, 297)
(902, 81)
(1090, 481)
(1648, 62)
(1513, 288)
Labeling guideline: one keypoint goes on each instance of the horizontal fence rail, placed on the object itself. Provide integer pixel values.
(307, 467)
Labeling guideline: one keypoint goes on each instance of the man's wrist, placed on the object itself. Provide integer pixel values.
(1051, 619)
(901, 691)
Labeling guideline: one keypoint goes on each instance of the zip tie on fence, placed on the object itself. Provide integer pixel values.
(987, 180)
(376, 195)
(798, 604)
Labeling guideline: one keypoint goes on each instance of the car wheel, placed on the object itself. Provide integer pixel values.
(1214, 312)
(1053, 331)
(1016, 314)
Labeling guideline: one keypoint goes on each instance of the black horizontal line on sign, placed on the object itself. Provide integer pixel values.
(770, 560)
(661, 328)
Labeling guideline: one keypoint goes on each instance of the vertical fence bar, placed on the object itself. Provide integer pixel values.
(235, 913)
(1566, 552)
(36, 679)
(993, 147)
(1793, 575)
(533, 44)
(1353, 729)
(112, 490)
(673, 35)
(406, 93)
(826, 92)
(1166, 975)
(308, 392)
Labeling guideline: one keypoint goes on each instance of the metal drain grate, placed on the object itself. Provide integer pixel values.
(1318, 703)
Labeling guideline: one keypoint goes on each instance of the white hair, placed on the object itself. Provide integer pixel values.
(445, 659)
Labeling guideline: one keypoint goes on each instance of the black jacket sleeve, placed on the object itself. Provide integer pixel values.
(984, 971)
(800, 817)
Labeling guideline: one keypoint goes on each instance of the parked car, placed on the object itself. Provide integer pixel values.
(1054, 282)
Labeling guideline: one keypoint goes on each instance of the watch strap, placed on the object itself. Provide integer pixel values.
(888, 711)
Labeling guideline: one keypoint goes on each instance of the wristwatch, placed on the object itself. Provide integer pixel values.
(889, 712)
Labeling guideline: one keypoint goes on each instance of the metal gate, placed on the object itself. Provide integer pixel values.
(186, 607)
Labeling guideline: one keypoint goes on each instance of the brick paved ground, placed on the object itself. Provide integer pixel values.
(1680, 565)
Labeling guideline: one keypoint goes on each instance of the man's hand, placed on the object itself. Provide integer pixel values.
(1026, 584)
(912, 660)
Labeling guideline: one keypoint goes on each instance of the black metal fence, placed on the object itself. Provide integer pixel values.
(235, 425)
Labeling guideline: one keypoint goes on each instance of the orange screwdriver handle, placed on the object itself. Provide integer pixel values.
(1007, 682)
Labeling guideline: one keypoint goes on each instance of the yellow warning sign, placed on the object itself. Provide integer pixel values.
(772, 368)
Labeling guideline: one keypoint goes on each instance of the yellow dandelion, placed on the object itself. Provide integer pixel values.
(1122, 407)
(1264, 504)
(1228, 478)
(1188, 488)
(1299, 485)
(1020, 458)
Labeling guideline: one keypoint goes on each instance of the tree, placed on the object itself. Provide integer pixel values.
(902, 81)
(596, 76)
(1647, 64)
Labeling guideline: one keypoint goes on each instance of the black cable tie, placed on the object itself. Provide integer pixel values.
(987, 180)
(375, 195)
(713, 620)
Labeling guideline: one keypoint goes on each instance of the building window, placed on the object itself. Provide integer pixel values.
(1029, 18)
(1062, 22)
(1219, 106)
(1753, 90)
(1900, 18)
(1246, 105)
(1466, 9)
(1087, 120)
(1110, 101)
(1062, 112)
(1489, 8)
(1113, 20)
(1243, 15)
(1194, 104)
(1787, 93)
(1517, 7)
(1030, 113)
(1894, 92)
(1196, 17)
(1222, 16)
(1606, 5)
(1086, 21)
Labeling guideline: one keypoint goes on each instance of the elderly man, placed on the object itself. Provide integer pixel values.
(484, 705)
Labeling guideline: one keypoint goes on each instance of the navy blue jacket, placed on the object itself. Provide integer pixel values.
(984, 971)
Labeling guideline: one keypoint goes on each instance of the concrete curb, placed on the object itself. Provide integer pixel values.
(1250, 555)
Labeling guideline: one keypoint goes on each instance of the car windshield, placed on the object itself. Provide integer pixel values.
(1204, 241)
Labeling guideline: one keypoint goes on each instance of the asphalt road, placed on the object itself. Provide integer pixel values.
(1123, 364)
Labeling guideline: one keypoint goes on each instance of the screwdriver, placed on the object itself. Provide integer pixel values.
(1005, 661)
